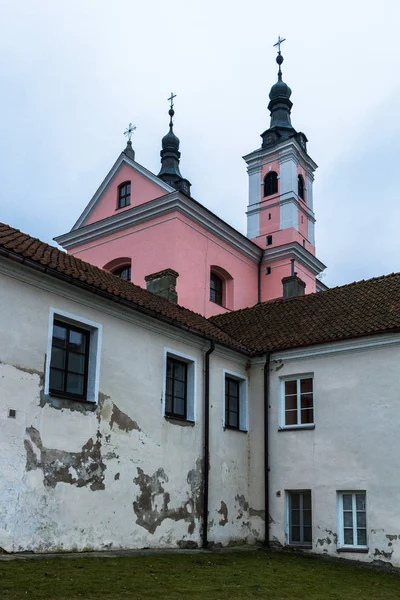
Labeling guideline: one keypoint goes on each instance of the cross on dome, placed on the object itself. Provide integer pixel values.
(171, 100)
(279, 42)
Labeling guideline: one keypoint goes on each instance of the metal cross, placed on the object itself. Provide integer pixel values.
(171, 99)
(129, 131)
(279, 42)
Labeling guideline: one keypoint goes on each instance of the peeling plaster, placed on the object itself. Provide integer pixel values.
(223, 511)
(150, 515)
(244, 507)
(122, 420)
(81, 469)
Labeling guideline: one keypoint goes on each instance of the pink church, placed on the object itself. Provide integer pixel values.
(148, 229)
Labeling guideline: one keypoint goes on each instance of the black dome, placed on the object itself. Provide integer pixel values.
(280, 90)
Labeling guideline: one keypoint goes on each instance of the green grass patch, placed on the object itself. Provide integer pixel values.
(210, 576)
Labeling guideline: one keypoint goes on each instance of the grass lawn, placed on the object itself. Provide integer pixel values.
(210, 576)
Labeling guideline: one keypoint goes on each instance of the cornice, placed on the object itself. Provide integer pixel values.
(286, 150)
(296, 251)
(123, 158)
(160, 207)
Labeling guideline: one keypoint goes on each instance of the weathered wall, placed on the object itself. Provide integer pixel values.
(116, 475)
(353, 445)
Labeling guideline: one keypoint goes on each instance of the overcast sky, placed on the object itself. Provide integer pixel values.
(74, 73)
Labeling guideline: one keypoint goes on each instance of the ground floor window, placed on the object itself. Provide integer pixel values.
(300, 517)
(352, 519)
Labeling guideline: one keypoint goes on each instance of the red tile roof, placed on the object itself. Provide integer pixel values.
(22, 247)
(354, 310)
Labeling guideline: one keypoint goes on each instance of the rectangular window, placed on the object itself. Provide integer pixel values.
(232, 402)
(297, 402)
(300, 518)
(176, 388)
(73, 357)
(352, 520)
(124, 194)
(236, 404)
(268, 240)
(69, 361)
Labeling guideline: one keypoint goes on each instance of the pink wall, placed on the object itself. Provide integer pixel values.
(271, 285)
(142, 190)
(176, 242)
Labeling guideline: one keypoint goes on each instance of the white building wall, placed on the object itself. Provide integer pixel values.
(353, 447)
(116, 475)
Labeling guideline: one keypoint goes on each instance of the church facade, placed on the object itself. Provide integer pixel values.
(164, 417)
(148, 228)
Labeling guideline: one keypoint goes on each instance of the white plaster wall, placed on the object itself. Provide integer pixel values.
(288, 177)
(311, 232)
(309, 196)
(289, 215)
(353, 447)
(74, 485)
(236, 502)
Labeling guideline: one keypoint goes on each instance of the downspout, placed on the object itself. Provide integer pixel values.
(266, 447)
(206, 443)
(259, 276)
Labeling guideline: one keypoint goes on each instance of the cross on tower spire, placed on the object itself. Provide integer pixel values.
(279, 58)
(279, 42)
(171, 100)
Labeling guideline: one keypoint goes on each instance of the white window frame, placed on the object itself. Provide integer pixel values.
(243, 400)
(191, 382)
(299, 424)
(96, 333)
(340, 521)
(288, 516)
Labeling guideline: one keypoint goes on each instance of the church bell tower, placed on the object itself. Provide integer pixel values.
(280, 215)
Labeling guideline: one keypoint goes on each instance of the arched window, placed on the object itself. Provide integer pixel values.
(123, 272)
(216, 289)
(124, 194)
(301, 187)
(271, 183)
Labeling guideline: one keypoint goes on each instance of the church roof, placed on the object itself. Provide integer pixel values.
(54, 262)
(358, 309)
(354, 310)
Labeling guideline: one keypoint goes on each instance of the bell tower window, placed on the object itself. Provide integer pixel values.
(271, 183)
(124, 194)
(301, 187)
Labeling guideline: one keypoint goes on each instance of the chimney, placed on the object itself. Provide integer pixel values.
(293, 286)
(163, 284)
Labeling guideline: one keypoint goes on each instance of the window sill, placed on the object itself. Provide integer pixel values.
(66, 403)
(122, 207)
(357, 550)
(179, 421)
(229, 428)
(296, 427)
(72, 398)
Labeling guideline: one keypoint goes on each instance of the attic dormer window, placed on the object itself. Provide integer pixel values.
(124, 194)
(271, 183)
(301, 187)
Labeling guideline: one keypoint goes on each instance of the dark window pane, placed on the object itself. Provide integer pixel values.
(56, 380)
(290, 387)
(179, 389)
(76, 362)
(295, 501)
(290, 402)
(233, 419)
(306, 386)
(307, 500)
(271, 183)
(123, 273)
(59, 332)
(362, 537)
(77, 341)
(361, 519)
(307, 535)
(307, 518)
(291, 417)
(57, 357)
(360, 501)
(348, 536)
(347, 502)
(295, 537)
(295, 517)
(216, 289)
(168, 403)
(170, 366)
(348, 519)
(180, 372)
(75, 384)
(169, 386)
(306, 401)
(307, 416)
(179, 406)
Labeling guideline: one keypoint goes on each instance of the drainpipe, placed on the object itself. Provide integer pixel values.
(266, 447)
(206, 443)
